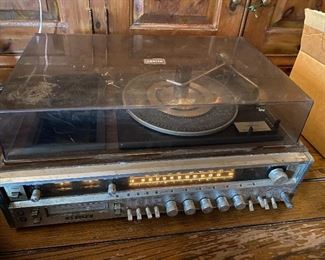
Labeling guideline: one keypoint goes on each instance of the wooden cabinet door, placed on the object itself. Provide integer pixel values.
(204, 17)
(276, 28)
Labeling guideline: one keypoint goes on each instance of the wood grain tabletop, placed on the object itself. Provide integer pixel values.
(296, 233)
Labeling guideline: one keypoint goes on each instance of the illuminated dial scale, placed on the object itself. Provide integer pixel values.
(179, 178)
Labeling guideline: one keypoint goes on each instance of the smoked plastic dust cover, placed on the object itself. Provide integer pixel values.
(77, 95)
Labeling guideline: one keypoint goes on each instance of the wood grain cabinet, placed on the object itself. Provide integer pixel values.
(276, 27)
(273, 26)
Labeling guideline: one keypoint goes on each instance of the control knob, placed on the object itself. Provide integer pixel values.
(222, 203)
(278, 176)
(171, 208)
(239, 202)
(189, 207)
(206, 205)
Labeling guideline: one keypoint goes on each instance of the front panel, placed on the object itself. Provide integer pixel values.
(137, 191)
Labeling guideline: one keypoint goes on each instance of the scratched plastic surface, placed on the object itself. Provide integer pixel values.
(78, 95)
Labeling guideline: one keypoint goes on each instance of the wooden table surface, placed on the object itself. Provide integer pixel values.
(284, 233)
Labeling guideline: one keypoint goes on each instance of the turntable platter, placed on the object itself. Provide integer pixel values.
(196, 109)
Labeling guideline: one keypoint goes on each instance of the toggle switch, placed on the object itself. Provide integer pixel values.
(274, 204)
(129, 214)
(266, 204)
(250, 205)
(138, 213)
(157, 212)
(261, 201)
(148, 212)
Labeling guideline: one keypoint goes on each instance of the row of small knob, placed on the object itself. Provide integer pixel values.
(207, 207)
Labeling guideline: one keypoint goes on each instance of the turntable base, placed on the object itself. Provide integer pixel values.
(141, 134)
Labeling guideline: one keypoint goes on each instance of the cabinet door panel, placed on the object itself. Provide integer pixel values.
(276, 29)
(185, 17)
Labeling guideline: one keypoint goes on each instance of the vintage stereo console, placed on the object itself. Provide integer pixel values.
(98, 127)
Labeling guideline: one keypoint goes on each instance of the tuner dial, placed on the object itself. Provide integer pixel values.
(239, 202)
(206, 205)
(171, 208)
(278, 176)
(36, 195)
(189, 207)
(111, 188)
(222, 203)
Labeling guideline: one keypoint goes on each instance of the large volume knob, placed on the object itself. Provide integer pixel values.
(189, 207)
(206, 205)
(278, 176)
(222, 203)
(239, 202)
(171, 208)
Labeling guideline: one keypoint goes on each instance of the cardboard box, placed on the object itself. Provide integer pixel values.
(309, 73)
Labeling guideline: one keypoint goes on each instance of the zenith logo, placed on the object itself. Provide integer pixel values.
(154, 61)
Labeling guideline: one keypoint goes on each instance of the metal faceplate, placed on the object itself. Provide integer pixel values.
(150, 202)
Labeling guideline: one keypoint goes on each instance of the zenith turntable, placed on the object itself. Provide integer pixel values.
(98, 127)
